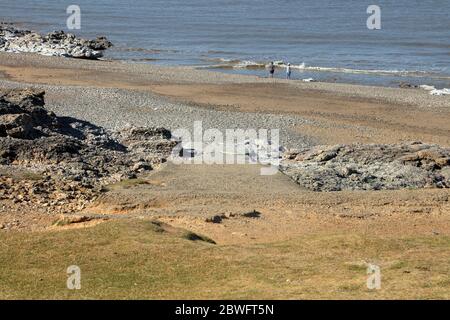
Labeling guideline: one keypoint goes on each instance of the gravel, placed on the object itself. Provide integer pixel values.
(115, 109)
(180, 74)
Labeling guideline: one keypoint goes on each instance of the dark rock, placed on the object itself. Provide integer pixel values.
(23, 116)
(325, 156)
(406, 85)
(214, 219)
(187, 153)
(370, 167)
(17, 125)
(70, 151)
(57, 43)
(101, 43)
(252, 214)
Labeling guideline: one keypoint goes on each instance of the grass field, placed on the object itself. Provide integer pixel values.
(136, 258)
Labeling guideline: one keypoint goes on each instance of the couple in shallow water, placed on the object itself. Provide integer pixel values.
(271, 68)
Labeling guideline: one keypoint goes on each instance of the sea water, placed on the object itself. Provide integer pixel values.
(326, 40)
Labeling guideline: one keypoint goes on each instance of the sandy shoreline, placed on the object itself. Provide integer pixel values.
(333, 113)
(156, 74)
(401, 230)
(112, 95)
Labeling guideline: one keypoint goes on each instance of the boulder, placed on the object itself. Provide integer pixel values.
(74, 157)
(370, 167)
(57, 43)
(16, 125)
(23, 116)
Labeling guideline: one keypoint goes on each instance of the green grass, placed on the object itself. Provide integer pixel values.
(125, 184)
(357, 267)
(143, 259)
(398, 265)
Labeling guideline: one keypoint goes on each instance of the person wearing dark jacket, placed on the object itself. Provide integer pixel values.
(271, 69)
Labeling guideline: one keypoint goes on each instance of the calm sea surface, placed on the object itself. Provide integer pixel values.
(324, 40)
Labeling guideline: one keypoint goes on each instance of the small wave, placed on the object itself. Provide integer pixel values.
(144, 50)
(303, 66)
(144, 59)
(249, 64)
(214, 66)
(224, 61)
(220, 52)
(366, 71)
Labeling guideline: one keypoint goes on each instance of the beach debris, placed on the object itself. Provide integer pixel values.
(427, 87)
(435, 92)
(57, 43)
(369, 167)
(263, 151)
(187, 153)
(216, 218)
(308, 80)
(440, 92)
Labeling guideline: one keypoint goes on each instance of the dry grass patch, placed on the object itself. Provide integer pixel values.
(134, 258)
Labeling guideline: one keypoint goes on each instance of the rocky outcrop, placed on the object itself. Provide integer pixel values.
(57, 43)
(23, 116)
(369, 167)
(70, 154)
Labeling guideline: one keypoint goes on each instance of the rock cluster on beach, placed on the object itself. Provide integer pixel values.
(57, 43)
(72, 159)
(369, 167)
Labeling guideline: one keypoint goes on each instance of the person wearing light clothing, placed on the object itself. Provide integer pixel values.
(288, 71)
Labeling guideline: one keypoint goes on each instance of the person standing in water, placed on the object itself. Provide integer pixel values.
(271, 69)
(288, 71)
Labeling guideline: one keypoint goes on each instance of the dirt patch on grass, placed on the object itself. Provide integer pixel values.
(71, 222)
